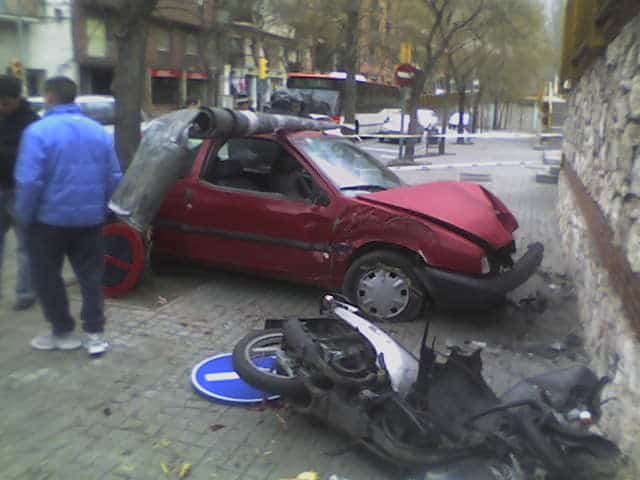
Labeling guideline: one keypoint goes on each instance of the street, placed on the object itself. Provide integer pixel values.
(132, 414)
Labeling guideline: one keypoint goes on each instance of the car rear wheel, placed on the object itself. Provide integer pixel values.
(383, 285)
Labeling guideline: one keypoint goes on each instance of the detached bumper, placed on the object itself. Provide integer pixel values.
(455, 290)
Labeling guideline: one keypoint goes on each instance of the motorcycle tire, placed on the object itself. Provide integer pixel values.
(287, 387)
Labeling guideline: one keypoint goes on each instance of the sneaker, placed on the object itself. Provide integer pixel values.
(67, 341)
(23, 303)
(95, 344)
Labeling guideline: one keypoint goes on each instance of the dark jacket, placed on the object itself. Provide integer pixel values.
(11, 128)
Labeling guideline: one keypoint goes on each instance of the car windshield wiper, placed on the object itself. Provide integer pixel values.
(369, 187)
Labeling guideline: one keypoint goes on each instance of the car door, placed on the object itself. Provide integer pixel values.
(169, 236)
(235, 215)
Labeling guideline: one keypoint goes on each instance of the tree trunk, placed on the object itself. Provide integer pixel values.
(476, 111)
(131, 38)
(350, 91)
(412, 109)
(461, 104)
(496, 114)
(445, 119)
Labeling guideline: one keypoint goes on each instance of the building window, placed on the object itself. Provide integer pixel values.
(191, 45)
(96, 37)
(165, 91)
(163, 40)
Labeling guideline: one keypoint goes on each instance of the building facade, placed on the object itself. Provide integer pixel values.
(29, 30)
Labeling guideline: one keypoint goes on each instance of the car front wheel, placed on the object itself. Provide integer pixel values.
(383, 285)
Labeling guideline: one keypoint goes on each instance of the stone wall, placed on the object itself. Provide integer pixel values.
(602, 145)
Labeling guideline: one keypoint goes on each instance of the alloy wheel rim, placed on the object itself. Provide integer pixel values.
(383, 292)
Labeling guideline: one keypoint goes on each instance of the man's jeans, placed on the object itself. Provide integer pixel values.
(48, 245)
(23, 280)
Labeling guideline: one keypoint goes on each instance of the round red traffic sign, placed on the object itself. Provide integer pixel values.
(123, 260)
(405, 74)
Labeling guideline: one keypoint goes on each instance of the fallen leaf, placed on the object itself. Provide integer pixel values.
(165, 468)
(162, 443)
(184, 471)
(215, 427)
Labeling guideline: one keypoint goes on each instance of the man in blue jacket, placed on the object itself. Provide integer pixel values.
(67, 170)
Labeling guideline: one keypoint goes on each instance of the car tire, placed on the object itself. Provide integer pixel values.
(383, 285)
(289, 387)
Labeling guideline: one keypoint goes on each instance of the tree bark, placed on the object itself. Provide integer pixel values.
(496, 114)
(412, 109)
(351, 60)
(462, 93)
(131, 39)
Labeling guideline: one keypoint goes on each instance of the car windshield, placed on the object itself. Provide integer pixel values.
(348, 167)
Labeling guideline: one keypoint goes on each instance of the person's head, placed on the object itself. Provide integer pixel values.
(191, 102)
(10, 94)
(60, 90)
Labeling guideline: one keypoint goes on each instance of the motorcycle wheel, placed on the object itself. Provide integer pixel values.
(265, 345)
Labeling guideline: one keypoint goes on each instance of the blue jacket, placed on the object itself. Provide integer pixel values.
(67, 170)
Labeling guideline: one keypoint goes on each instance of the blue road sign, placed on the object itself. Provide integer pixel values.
(216, 379)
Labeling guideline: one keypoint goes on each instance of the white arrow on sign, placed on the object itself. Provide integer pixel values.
(214, 377)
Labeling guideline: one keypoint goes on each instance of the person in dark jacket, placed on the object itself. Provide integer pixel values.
(15, 116)
(66, 172)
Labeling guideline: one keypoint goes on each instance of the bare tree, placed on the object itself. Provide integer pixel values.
(447, 20)
(131, 28)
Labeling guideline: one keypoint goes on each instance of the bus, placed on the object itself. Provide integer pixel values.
(372, 99)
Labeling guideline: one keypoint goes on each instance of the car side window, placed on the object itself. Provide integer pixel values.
(258, 165)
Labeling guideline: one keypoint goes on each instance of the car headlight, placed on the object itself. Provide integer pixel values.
(484, 265)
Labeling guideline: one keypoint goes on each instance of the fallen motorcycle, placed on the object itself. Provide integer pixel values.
(435, 413)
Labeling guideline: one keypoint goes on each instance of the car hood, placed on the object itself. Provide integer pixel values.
(459, 206)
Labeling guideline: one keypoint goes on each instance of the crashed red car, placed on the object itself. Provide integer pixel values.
(317, 209)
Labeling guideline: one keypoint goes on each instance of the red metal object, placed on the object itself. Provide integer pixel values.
(124, 258)
(165, 73)
(197, 75)
(444, 223)
(405, 74)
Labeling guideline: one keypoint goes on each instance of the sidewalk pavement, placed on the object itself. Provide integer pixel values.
(132, 414)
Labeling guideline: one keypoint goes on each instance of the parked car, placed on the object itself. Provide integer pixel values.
(317, 209)
(102, 108)
(393, 123)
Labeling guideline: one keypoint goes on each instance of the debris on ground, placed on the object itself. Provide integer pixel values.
(162, 300)
(305, 476)
(536, 303)
(182, 470)
(215, 427)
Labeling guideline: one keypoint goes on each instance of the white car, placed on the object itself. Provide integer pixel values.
(101, 108)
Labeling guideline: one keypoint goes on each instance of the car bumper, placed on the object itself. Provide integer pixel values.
(455, 290)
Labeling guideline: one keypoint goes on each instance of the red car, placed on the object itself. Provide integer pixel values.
(317, 209)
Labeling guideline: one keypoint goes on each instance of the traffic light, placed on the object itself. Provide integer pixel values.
(406, 52)
(263, 68)
(16, 68)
